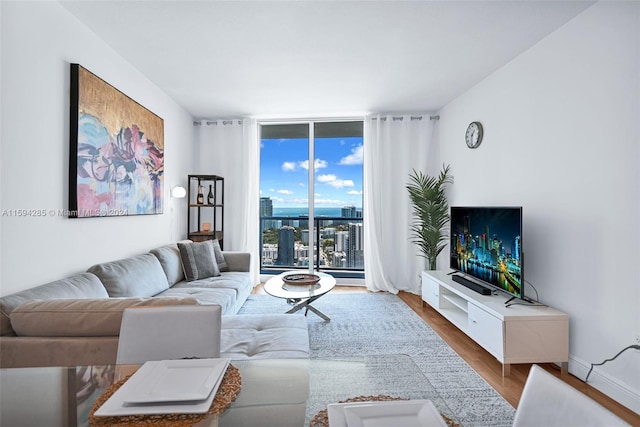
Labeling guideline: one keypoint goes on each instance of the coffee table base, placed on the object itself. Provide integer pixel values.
(306, 304)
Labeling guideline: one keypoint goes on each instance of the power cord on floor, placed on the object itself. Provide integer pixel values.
(634, 346)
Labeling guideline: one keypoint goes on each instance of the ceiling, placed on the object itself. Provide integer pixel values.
(319, 58)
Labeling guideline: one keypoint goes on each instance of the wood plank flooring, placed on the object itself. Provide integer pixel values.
(486, 365)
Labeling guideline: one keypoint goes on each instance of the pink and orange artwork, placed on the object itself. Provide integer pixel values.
(117, 151)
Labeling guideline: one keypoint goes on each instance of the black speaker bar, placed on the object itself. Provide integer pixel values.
(471, 285)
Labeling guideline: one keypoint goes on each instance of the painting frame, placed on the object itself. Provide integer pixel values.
(116, 154)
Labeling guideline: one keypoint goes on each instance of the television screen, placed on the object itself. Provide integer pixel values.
(486, 243)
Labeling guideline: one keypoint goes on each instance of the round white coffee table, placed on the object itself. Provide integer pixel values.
(301, 296)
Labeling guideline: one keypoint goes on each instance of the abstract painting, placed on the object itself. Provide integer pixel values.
(116, 159)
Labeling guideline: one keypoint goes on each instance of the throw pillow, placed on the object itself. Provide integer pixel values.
(198, 260)
(222, 263)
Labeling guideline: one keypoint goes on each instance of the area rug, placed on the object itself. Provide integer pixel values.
(382, 324)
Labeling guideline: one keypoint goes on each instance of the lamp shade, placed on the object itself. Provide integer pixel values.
(178, 192)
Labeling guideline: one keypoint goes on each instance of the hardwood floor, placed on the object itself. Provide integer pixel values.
(486, 365)
(491, 370)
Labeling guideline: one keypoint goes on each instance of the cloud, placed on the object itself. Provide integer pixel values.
(340, 183)
(292, 166)
(355, 158)
(354, 192)
(288, 166)
(333, 181)
(287, 192)
(317, 164)
(327, 178)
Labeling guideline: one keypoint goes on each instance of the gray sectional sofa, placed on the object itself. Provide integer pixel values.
(76, 320)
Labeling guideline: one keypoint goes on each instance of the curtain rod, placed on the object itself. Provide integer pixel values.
(401, 118)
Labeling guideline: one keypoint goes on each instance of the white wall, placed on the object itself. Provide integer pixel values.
(562, 139)
(39, 40)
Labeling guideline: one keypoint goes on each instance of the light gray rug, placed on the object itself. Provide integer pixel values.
(382, 324)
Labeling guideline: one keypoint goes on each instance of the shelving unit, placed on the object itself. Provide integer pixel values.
(515, 334)
(209, 213)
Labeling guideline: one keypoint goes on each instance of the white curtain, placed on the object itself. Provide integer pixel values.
(230, 148)
(393, 146)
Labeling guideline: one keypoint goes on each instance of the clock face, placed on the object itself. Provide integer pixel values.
(473, 137)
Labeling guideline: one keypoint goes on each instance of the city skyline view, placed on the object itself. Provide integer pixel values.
(284, 172)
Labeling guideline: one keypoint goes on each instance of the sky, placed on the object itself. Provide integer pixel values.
(284, 172)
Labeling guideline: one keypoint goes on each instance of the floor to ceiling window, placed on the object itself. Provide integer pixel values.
(311, 197)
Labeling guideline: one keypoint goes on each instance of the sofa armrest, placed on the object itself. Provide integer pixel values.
(237, 261)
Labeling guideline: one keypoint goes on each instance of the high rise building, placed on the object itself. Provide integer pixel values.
(286, 246)
(303, 221)
(266, 209)
(340, 241)
(349, 212)
(355, 248)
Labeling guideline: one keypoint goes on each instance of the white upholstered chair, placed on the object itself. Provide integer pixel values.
(171, 332)
(550, 402)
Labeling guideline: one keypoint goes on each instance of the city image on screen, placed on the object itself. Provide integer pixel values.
(486, 243)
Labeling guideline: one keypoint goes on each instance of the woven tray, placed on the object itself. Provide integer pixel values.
(226, 394)
(301, 279)
(321, 419)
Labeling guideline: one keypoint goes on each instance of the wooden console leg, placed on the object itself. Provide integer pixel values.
(506, 369)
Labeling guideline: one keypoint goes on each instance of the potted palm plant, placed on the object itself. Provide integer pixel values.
(430, 212)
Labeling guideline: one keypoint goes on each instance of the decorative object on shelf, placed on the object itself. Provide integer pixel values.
(473, 136)
(200, 197)
(430, 213)
(210, 198)
(205, 218)
(116, 156)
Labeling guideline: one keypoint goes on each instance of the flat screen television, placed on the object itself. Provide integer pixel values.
(486, 244)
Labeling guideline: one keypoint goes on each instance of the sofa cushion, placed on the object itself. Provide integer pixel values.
(80, 317)
(138, 276)
(230, 279)
(238, 282)
(198, 260)
(226, 298)
(169, 257)
(270, 336)
(83, 285)
(217, 251)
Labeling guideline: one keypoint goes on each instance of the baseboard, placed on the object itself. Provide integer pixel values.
(621, 393)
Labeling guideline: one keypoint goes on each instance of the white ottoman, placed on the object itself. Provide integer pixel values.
(271, 336)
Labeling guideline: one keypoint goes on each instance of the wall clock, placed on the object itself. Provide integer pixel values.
(473, 136)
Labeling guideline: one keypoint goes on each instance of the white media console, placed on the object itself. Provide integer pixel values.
(519, 333)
